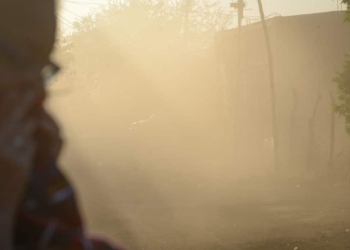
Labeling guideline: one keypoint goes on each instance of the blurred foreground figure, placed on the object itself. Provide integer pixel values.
(37, 204)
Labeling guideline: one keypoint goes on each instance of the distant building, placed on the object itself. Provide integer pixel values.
(308, 50)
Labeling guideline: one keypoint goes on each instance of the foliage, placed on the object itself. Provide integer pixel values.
(342, 80)
(140, 56)
(347, 2)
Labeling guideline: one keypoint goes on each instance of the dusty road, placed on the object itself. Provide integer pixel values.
(158, 210)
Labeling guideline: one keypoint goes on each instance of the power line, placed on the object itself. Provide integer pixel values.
(82, 4)
(72, 13)
(65, 19)
(78, 2)
(66, 22)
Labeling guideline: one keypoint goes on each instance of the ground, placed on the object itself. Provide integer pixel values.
(160, 210)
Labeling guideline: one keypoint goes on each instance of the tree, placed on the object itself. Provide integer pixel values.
(132, 59)
(347, 2)
(342, 80)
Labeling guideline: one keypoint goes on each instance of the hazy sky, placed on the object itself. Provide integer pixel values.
(72, 9)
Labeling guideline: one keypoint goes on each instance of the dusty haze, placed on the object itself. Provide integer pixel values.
(168, 149)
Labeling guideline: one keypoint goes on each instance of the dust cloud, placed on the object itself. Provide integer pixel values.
(163, 157)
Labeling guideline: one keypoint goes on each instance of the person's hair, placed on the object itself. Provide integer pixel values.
(28, 23)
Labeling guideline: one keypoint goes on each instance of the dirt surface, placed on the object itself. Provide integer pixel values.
(262, 212)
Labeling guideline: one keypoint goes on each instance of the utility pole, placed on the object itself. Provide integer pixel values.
(239, 6)
(272, 87)
(332, 137)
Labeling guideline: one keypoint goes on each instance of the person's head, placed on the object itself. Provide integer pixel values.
(27, 36)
